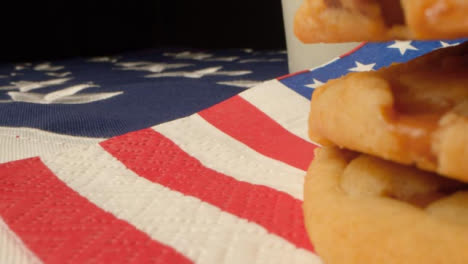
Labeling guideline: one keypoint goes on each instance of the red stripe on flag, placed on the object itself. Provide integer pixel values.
(291, 75)
(60, 226)
(244, 122)
(158, 159)
(353, 50)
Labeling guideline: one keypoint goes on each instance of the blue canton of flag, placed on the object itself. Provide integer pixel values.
(108, 96)
(370, 56)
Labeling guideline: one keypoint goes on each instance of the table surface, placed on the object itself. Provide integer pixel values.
(163, 156)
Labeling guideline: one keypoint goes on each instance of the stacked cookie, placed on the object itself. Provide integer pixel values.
(389, 184)
(376, 20)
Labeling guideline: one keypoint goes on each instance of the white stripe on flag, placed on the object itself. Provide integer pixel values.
(12, 249)
(195, 228)
(224, 154)
(280, 103)
(21, 142)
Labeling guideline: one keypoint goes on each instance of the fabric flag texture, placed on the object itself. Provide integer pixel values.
(102, 165)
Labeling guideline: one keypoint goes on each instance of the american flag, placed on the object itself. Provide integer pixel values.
(163, 156)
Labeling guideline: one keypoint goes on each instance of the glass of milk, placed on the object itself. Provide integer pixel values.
(307, 56)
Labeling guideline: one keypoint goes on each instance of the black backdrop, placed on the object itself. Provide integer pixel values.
(59, 29)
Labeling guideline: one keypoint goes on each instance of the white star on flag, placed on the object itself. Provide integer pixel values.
(315, 85)
(403, 46)
(445, 44)
(362, 67)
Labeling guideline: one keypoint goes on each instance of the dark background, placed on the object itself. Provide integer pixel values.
(60, 29)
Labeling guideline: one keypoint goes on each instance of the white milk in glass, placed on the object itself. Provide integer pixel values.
(307, 56)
